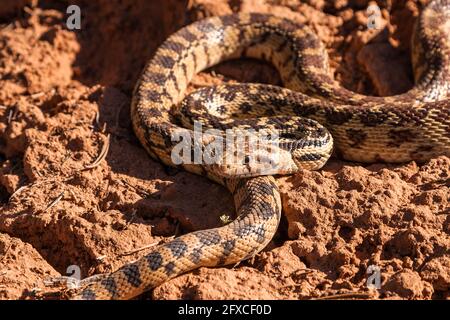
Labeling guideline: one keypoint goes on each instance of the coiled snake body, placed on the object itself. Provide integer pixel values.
(411, 126)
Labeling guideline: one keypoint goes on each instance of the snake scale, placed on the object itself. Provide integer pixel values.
(411, 126)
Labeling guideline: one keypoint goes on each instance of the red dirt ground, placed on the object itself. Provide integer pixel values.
(63, 92)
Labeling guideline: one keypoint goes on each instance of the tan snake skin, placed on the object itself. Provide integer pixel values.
(411, 126)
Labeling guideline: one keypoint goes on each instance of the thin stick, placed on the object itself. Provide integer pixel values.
(128, 253)
(17, 192)
(37, 95)
(97, 119)
(28, 10)
(54, 202)
(100, 258)
(10, 115)
(346, 296)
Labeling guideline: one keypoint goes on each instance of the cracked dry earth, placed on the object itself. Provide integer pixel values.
(64, 94)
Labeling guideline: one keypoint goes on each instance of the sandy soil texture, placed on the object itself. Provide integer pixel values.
(64, 94)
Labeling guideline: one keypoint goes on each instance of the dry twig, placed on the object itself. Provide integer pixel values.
(138, 249)
(102, 155)
(54, 202)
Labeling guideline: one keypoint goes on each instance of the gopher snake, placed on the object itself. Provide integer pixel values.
(410, 126)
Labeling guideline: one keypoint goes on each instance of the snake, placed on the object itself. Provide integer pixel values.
(311, 116)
